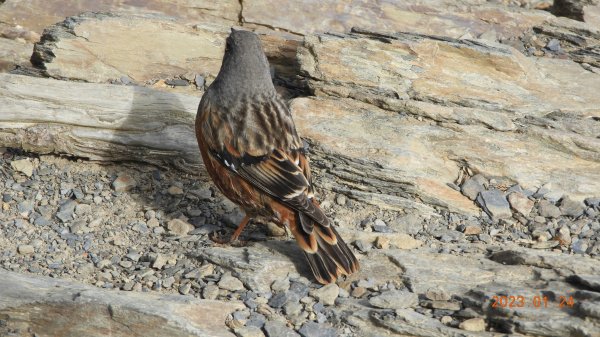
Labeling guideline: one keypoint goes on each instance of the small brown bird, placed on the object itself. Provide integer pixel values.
(253, 154)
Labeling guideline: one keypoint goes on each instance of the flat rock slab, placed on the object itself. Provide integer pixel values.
(440, 17)
(102, 47)
(17, 12)
(52, 307)
(472, 103)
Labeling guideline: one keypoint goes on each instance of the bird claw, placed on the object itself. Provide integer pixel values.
(216, 238)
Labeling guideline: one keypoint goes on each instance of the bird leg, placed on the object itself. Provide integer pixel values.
(235, 234)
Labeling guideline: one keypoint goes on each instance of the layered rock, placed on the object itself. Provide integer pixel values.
(51, 307)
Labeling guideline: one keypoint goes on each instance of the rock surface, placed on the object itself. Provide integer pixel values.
(454, 144)
(53, 307)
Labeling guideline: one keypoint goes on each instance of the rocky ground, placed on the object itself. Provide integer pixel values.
(146, 229)
(455, 144)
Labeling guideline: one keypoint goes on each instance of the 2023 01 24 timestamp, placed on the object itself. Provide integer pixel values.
(538, 302)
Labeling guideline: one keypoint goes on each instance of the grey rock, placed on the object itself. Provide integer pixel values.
(256, 319)
(570, 207)
(363, 246)
(437, 294)
(594, 202)
(230, 283)
(473, 324)
(23, 165)
(280, 299)
(326, 294)
(278, 329)
(281, 285)
(21, 223)
(494, 204)
(472, 187)
(589, 309)
(199, 80)
(184, 289)
(520, 203)
(553, 45)
(411, 223)
(395, 299)
(442, 305)
(589, 281)
(449, 236)
(548, 210)
(210, 292)
(340, 199)
(177, 82)
(292, 308)
(179, 227)
(580, 246)
(312, 329)
(25, 206)
(68, 304)
(249, 331)
(542, 191)
(25, 249)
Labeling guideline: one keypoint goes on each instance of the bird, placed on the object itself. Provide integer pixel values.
(253, 154)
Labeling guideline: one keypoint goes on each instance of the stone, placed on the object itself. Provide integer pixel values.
(358, 292)
(210, 292)
(278, 329)
(564, 236)
(256, 320)
(175, 190)
(473, 324)
(589, 281)
(580, 246)
(73, 309)
(279, 300)
(25, 249)
(249, 331)
(160, 261)
(382, 242)
(326, 294)
(548, 210)
(472, 187)
(281, 285)
(275, 230)
(592, 202)
(179, 227)
(123, 183)
(395, 299)
(442, 305)
(313, 329)
(340, 199)
(410, 223)
(437, 294)
(520, 203)
(82, 209)
(553, 45)
(472, 230)
(230, 283)
(24, 166)
(495, 204)
(570, 207)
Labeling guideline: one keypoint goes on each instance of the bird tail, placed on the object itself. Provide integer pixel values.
(326, 252)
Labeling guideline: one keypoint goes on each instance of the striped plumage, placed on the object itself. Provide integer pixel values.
(252, 152)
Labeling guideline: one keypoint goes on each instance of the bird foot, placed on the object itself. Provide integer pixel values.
(217, 238)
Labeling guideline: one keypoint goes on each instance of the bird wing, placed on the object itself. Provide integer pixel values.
(281, 172)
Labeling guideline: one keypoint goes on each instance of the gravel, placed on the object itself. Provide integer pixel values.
(136, 229)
